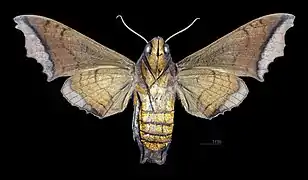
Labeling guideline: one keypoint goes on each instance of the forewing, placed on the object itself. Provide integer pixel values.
(207, 93)
(102, 92)
(62, 51)
(247, 51)
(101, 81)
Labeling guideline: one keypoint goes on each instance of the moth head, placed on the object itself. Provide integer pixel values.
(156, 55)
(157, 47)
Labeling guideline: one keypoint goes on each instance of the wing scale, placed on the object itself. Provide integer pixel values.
(101, 81)
(208, 80)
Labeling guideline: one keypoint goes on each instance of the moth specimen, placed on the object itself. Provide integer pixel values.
(207, 82)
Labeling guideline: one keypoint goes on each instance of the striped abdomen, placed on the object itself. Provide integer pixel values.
(155, 129)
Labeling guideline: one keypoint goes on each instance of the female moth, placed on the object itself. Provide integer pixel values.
(101, 81)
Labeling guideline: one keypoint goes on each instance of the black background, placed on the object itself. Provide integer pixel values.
(50, 137)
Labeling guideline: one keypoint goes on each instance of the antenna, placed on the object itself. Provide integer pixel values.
(131, 29)
(182, 30)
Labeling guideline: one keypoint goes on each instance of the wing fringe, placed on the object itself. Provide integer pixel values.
(35, 46)
(275, 46)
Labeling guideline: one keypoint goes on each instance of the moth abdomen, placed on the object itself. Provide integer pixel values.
(155, 129)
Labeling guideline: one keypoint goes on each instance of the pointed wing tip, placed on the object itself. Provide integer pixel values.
(278, 43)
(290, 18)
(33, 44)
(286, 15)
(18, 20)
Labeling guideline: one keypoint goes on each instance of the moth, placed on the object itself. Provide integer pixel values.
(101, 81)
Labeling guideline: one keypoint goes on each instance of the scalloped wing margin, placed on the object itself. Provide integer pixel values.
(34, 46)
(275, 46)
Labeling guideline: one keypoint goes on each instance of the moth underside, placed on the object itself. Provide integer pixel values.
(207, 82)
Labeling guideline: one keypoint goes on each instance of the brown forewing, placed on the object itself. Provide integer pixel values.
(101, 81)
(207, 80)
(62, 51)
(246, 51)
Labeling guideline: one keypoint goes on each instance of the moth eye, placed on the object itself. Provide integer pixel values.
(148, 48)
(166, 49)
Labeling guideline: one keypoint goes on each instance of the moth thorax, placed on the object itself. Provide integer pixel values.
(157, 57)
